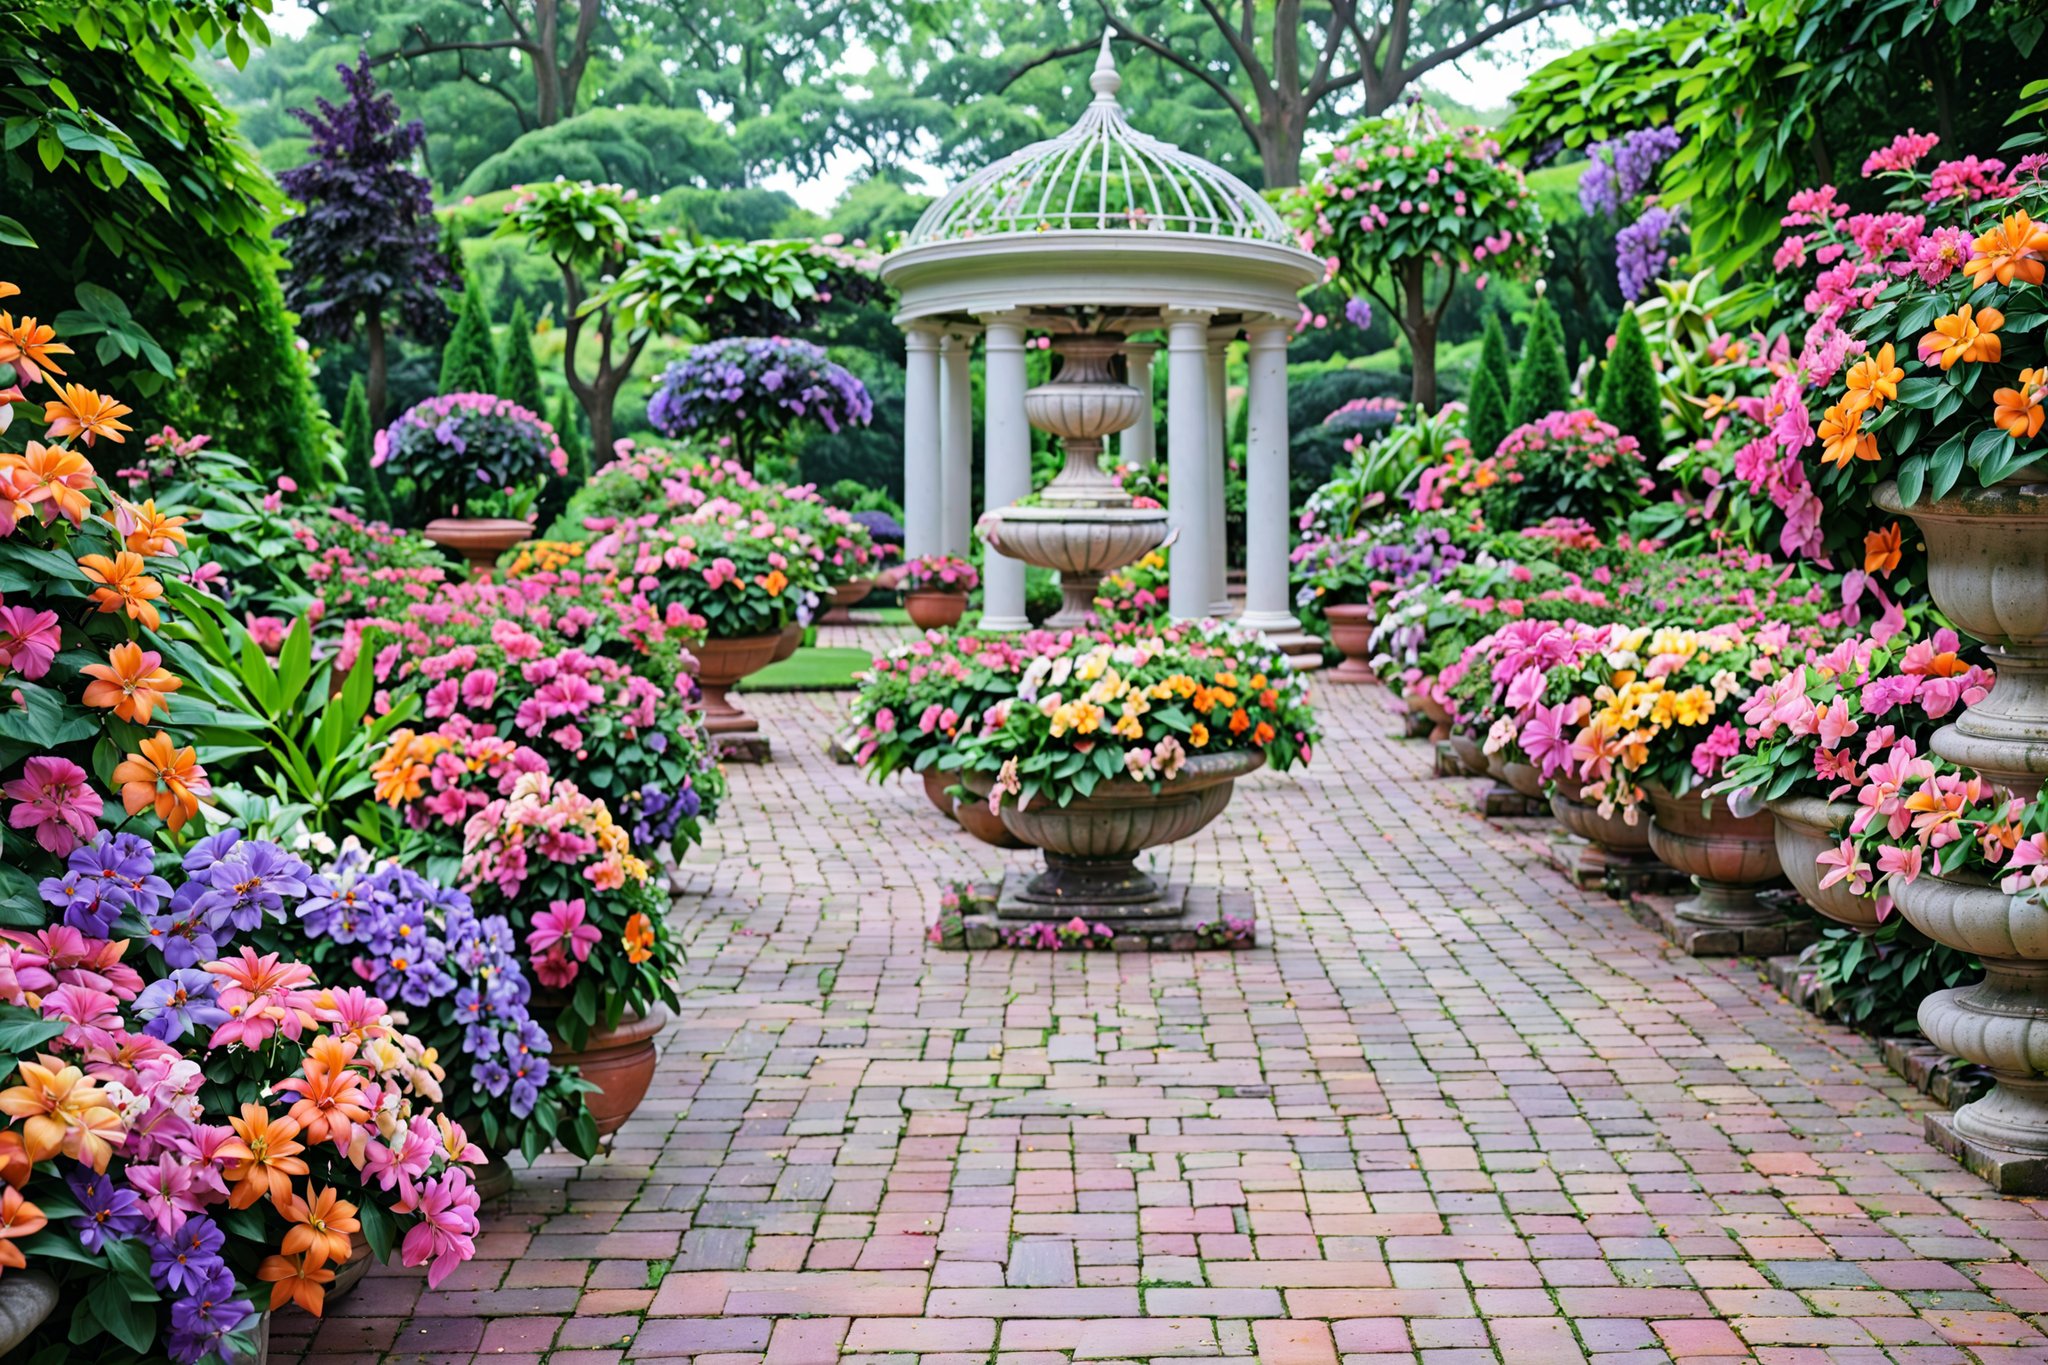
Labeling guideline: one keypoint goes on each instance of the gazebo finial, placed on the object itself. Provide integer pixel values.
(1104, 81)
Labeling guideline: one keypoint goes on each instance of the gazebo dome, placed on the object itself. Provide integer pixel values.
(1101, 175)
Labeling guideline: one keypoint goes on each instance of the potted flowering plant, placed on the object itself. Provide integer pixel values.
(1112, 748)
(1570, 464)
(476, 462)
(1345, 577)
(751, 393)
(935, 589)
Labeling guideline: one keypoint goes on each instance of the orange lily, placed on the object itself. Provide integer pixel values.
(1843, 438)
(15, 1167)
(18, 1218)
(331, 1100)
(1882, 550)
(321, 1229)
(131, 682)
(124, 586)
(1872, 380)
(146, 530)
(28, 345)
(165, 776)
(639, 938)
(1964, 336)
(262, 1156)
(295, 1282)
(79, 411)
(2010, 250)
(59, 480)
(64, 1112)
(2019, 412)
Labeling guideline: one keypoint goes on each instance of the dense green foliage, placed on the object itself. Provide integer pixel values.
(1628, 389)
(1542, 383)
(518, 373)
(469, 360)
(357, 444)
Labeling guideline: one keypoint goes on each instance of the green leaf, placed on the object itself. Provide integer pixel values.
(12, 233)
(22, 1031)
(379, 1229)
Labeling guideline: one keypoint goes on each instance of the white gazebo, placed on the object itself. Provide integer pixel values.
(1104, 230)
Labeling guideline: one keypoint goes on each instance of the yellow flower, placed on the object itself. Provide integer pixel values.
(1872, 380)
(1694, 706)
(1199, 736)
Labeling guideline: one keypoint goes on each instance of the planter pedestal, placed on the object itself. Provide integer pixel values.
(1727, 855)
(27, 1297)
(1351, 632)
(479, 540)
(1428, 707)
(844, 596)
(973, 816)
(1616, 855)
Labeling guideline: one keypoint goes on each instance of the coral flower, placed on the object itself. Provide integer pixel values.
(2019, 412)
(295, 1281)
(15, 1167)
(1881, 550)
(165, 776)
(18, 1218)
(1964, 336)
(56, 801)
(2011, 250)
(331, 1100)
(320, 1229)
(81, 412)
(262, 1157)
(639, 938)
(145, 530)
(64, 1112)
(1843, 438)
(1872, 380)
(125, 585)
(131, 682)
(28, 345)
(52, 478)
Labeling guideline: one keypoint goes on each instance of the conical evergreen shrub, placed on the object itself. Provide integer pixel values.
(518, 372)
(1629, 396)
(358, 442)
(1542, 384)
(1486, 413)
(469, 363)
(568, 424)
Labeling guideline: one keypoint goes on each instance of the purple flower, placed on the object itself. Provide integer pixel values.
(203, 855)
(108, 1211)
(1358, 312)
(203, 1317)
(188, 1257)
(251, 881)
(493, 1078)
(1643, 249)
(182, 1001)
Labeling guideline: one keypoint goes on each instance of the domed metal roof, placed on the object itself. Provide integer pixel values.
(1101, 175)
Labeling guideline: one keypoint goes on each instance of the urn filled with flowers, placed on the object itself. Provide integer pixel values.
(935, 589)
(473, 464)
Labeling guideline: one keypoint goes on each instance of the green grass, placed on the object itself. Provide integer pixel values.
(827, 669)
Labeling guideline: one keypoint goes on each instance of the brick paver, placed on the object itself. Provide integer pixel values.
(1452, 1111)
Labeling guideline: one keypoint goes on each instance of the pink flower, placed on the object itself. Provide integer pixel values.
(1847, 867)
(267, 631)
(1904, 863)
(28, 641)
(55, 802)
(480, 689)
(563, 923)
(445, 1236)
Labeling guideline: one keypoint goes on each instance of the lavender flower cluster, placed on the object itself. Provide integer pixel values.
(656, 813)
(1620, 169)
(756, 383)
(423, 944)
(1643, 249)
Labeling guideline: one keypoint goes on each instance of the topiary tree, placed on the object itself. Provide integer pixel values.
(1629, 395)
(469, 362)
(1486, 414)
(1542, 384)
(358, 444)
(569, 431)
(1405, 208)
(518, 373)
(365, 251)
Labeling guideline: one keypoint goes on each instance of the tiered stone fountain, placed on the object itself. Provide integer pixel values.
(1083, 524)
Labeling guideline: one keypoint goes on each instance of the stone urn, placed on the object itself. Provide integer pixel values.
(27, 1297)
(1432, 710)
(494, 1177)
(2001, 1023)
(973, 816)
(722, 663)
(1613, 844)
(479, 540)
(1084, 524)
(1351, 632)
(1808, 826)
(935, 610)
(788, 643)
(1469, 752)
(350, 1272)
(619, 1062)
(1728, 855)
(844, 597)
(1092, 843)
(1525, 778)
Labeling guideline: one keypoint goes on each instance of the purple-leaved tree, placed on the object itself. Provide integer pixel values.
(364, 250)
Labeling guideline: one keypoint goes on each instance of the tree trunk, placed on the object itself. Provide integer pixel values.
(378, 370)
(1281, 139)
(599, 410)
(1419, 324)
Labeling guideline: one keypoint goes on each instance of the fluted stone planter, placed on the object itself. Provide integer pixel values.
(1524, 778)
(2001, 1023)
(1806, 827)
(974, 816)
(1433, 710)
(1617, 854)
(1469, 753)
(1092, 843)
(1728, 855)
(27, 1297)
(1351, 632)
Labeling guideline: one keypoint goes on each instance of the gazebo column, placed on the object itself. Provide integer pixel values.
(1006, 446)
(1189, 412)
(1139, 445)
(956, 445)
(1219, 450)
(922, 531)
(1268, 501)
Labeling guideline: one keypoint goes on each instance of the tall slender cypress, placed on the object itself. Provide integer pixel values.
(357, 444)
(518, 372)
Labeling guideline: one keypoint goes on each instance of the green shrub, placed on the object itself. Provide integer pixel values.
(469, 363)
(357, 444)
(1542, 384)
(518, 373)
(1628, 392)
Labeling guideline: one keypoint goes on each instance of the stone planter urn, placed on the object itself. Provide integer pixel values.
(1433, 710)
(1085, 525)
(350, 1272)
(494, 1177)
(1469, 753)
(788, 643)
(620, 1063)
(1987, 551)
(844, 597)
(1092, 843)
(973, 816)
(1351, 632)
(27, 1297)
(1612, 843)
(935, 610)
(1728, 855)
(1524, 778)
(721, 664)
(1808, 826)
(479, 540)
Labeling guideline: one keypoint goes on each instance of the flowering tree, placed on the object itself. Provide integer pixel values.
(1402, 207)
(754, 391)
(366, 249)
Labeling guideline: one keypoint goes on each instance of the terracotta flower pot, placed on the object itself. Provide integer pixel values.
(1808, 826)
(936, 781)
(27, 1298)
(935, 610)
(479, 540)
(620, 1063)
(1439, 718)
(788, 643)
(1727, 854)
(720, 664)
(1351, 632)
(1091, 844)
(844, 596)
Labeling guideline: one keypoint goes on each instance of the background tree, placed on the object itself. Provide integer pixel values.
(1486, 400)
(1542, 383)
(469, 362)
(1629, 395)
(358, 444)
(365, 251)
(518, 372)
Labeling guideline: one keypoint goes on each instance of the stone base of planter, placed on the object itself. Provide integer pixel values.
(742, 748)
(1449, 763)
(1415, 725)
(2004, 1171)
(1013, 905)
(1945, 1079)
(1593, 868)
(1502, 802)
(982, 925)
(1789, 933)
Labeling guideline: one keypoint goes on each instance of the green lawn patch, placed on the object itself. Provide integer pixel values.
(818, 669)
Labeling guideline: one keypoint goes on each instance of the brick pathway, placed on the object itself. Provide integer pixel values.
(1454, 1112)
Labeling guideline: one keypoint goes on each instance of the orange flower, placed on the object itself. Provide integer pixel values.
(1262, 734)
(1199, 736)
(18, 1218)
(1239, 721)
(1872, 380)
(2011, 250)
(65, 1112)
(331, 1100)
(15, 1167)
(131, 682)
(28, 345)
(262, 1158)
(1843, 438)
(2019, 413)
(58, 479)
(295, 1282)
(1881, 550)
(639, 938)
(775, 580)
(320, 1230)
(146, 530)
(80, 411)
(1962, 336)
(165, 776)
(124, 586)
(403, 766)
